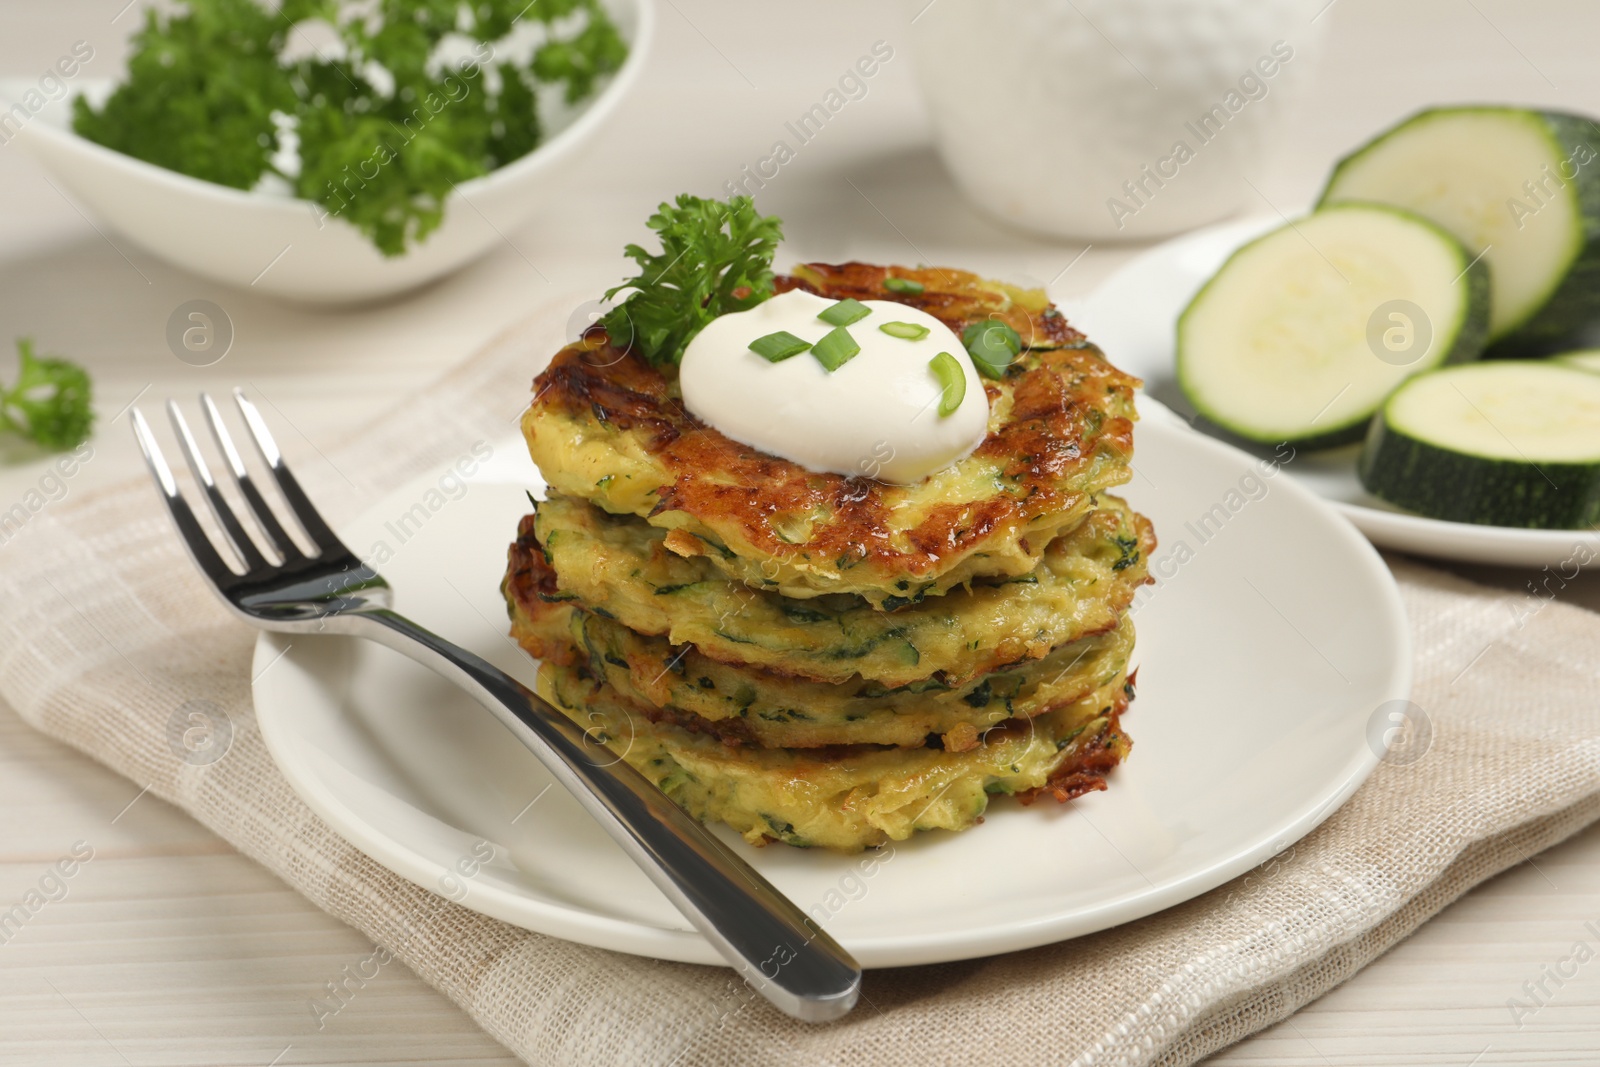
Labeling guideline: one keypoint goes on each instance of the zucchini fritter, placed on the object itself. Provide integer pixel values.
(834, 661)
(757, 707)
(620, 568)
(853, 797)
(609, 428)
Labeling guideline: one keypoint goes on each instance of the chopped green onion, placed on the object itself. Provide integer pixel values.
(952, 382)
(835, 349)
(908, 331)
(992, 345)
(902, 285)
(777, 347)
(844, 312)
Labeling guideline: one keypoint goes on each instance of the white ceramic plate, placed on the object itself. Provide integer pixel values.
(1269, 650)
(1133, 318)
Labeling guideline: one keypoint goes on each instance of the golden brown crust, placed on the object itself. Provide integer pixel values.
(1059, 425)
(530, 584)
(1086, 771)
(958, 298)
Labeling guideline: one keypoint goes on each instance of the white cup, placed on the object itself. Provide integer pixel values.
(1112, 119)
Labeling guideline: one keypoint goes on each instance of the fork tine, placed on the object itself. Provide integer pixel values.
(304, 511)
(193, 535)
(277, 537)
(232, 528)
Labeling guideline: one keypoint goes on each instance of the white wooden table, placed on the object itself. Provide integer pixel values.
(172, 948)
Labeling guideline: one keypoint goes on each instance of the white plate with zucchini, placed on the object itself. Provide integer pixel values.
(1416, 342)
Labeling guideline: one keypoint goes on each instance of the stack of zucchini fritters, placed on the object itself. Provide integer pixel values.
(829, 661)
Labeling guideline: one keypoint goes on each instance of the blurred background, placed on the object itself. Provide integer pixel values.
(715, 94)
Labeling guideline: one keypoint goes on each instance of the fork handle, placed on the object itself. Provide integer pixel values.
(777, 949)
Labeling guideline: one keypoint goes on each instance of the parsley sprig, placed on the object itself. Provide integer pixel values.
(384, 131)
(49, 404)
(715, 257)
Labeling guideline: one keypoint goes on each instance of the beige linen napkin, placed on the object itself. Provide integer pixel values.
(106, 633)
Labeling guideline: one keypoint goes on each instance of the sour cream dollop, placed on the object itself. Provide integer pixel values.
(877, 416)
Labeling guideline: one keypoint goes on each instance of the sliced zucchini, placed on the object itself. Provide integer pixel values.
(1588, 359)
(1302, 333)
(1501, 443)
(1521, 187)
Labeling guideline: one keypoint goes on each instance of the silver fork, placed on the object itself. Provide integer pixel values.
(780, 952)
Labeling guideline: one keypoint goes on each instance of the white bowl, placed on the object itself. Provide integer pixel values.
(1136, 96)
(276, 244)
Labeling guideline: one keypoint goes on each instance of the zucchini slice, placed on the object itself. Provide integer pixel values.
(1501, 443)
(1302, 333)
(1588, 359)
(1521, 187)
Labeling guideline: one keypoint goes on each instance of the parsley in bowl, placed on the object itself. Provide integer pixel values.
(336, 150)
